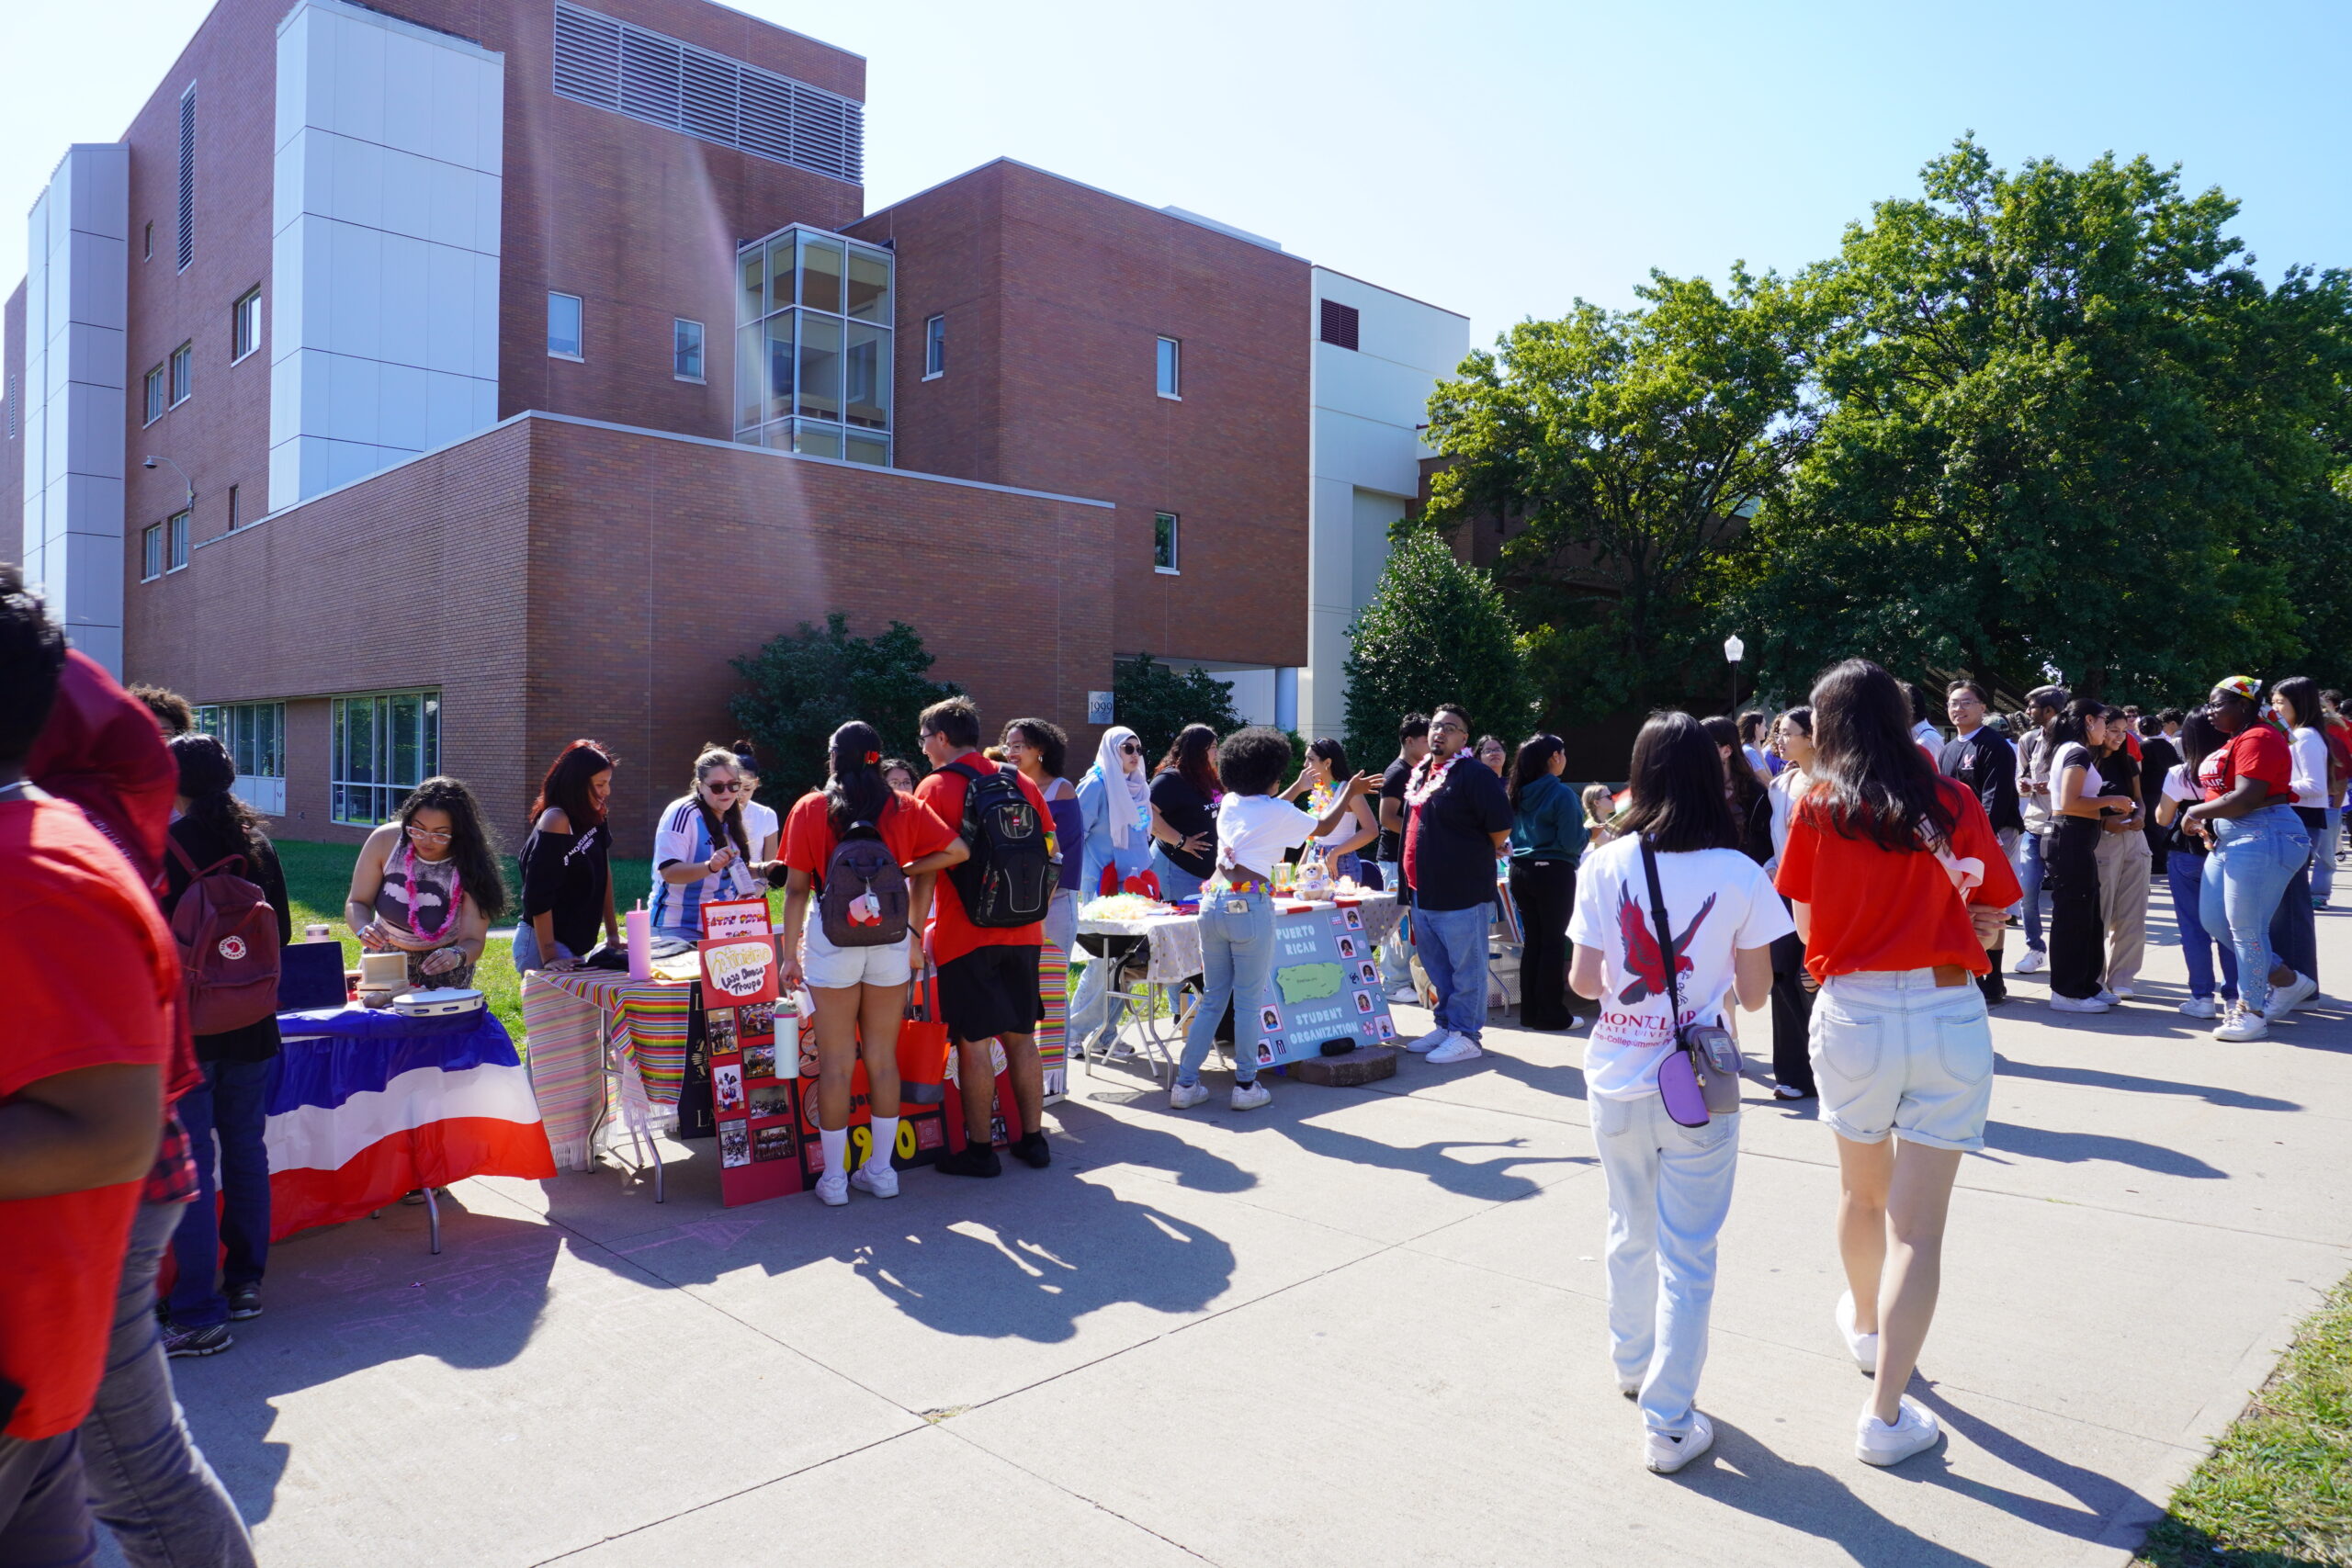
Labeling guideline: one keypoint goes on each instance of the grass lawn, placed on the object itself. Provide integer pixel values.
(2276, 1490)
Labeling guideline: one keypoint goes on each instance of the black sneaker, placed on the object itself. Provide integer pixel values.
(244, 1300)
(976, 1159)
(207, 1341)
(1032, 1151)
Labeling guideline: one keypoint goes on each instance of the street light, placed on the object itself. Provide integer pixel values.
(1733, 649)
(190, 483)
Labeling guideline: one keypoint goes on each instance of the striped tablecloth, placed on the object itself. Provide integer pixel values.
(569, 1018)
(1053, 992)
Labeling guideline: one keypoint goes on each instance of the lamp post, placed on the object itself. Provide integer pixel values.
(190, 483)
(1733, 649)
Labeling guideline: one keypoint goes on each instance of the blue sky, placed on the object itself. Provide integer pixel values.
(1500, 157)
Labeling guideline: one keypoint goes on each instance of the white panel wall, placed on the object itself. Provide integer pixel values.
(385, 256)
(1364, 457)
(76, 305)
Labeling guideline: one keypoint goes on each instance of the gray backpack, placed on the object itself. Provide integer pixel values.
(863, 902)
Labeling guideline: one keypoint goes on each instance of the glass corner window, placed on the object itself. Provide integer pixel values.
(813, 350)
(563, 326)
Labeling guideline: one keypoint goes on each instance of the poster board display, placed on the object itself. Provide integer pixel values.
(748, 1031)
(1323, 985)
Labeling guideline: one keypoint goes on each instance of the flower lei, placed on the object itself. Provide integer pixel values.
(408, 874)
(1418, 793)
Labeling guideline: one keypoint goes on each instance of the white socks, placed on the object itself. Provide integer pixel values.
(886, 1142)
(836, 1141)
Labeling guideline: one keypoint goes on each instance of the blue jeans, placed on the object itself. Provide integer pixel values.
(2186, 871)
(2029, 869)
(1396, 953)
(1236, 958)
(1176, 884)
(1061, 920)
(2323, 859)
(526, 948)
(1669, 1188)
(232, 1102)
(2253, 858)
(1453, 944)
(2294, 934)
(44, 1519)
(148, 1481)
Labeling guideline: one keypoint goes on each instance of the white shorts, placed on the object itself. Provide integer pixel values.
(829, 968)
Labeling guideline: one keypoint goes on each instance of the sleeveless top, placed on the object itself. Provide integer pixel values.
(429, 900)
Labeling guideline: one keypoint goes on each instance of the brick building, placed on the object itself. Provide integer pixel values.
(418, 386)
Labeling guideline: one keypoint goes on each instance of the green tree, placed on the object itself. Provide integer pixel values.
(1157, 700)
(1632, 445)
(1436, 631)
(807, 683)
(2069, 430)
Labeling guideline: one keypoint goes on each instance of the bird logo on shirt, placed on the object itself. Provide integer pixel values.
(1643, 958)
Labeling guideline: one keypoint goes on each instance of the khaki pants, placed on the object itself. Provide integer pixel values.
(2123, 862)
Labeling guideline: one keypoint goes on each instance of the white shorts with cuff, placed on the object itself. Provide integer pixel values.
(829, 968)
(1893, 1050)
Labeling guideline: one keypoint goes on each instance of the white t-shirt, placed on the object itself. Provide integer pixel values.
(1718, 900)
(760, 824)
(2307, 753)
(1253, 831)
(2178, 785)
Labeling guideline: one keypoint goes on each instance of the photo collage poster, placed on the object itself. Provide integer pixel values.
(758, 1110)
(1323, 985)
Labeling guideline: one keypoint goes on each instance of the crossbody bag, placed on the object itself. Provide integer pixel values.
(1699, 1077)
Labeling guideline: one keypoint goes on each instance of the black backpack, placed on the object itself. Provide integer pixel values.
(1012, 875)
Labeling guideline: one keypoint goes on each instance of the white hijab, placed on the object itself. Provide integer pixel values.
(1110, 766)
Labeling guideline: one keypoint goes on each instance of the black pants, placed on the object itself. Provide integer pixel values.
(2070, 876)
(1546, 891)
(1791, 1016)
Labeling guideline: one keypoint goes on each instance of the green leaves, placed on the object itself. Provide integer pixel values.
(1157, 700)
(1436, 631)
(807, 683)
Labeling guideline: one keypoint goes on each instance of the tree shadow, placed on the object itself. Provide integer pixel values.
(2061, 1147)
(2092, 1077)
(1741, 1472)
(2101, 1497)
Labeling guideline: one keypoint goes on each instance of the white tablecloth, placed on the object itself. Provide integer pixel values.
(1176, 939)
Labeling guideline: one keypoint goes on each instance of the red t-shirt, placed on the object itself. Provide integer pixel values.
(952, 936)
(1874, 909)
(2257, 751)
(88, 973)
(909, 829)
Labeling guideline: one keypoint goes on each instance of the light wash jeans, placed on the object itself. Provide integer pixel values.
(1237, 957)
(1061, 920)
(526, 948)
(148, 1481)
(1452, 945)
(1176, 884)
(2323, 859)
(2028, 862)
(2186, 873)
(2255, 856)
(1669, 1188)
(1396, 953)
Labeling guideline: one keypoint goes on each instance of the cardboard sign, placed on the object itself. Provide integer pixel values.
(759, 1111)
(739, 972)
(731, 919)
(1323, 985)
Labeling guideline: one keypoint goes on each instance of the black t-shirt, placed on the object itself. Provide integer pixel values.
(564, 877)
(1987, 763)
(1454, 855)
(1390, 846)
(1187, 810)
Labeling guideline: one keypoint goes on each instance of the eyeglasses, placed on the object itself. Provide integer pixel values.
(428, 835)
(722, 788)
(1436, 725)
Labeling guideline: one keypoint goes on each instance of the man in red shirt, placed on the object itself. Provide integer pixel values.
(988, 974)
(90, 973)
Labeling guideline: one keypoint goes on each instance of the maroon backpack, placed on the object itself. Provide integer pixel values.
(228, 937)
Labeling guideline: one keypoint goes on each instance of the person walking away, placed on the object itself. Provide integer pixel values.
(216, 850)
(988, 972)
(567, 864)
(1325, 769)
(1546, 841)
(1792, 984)
(92, 979)
(1254, 829)
(870, 855)
(702, 851)
(1040, 749)
(1896, 882)
(1985, 762)
(2295, 703)
(1669, 1186)
(2185, 874)
(2124, 862)
(1388, 853)
(2257, 842)
(2077, 955)
(2043, 705)
(1459, 819)
(1184, 790)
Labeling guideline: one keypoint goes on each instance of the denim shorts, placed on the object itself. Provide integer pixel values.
(1891, 1051)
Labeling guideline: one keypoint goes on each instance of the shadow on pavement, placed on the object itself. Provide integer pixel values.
(1741, 1472)
(2092, 1077)
(2099, 1497)
(2073, 1149)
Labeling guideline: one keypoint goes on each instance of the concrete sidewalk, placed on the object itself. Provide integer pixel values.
(1357, 1327)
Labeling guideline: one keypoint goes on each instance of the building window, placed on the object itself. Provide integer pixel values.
(563, 326)
(176, 541)
(188, 177)
(1171, 367)
(255, 737)
(1339, 324)
(151, 553)
(935, 347)
(686, 350)
(245, 326)
(147, 243)
(154, 395)
(384, 745)
(813, 366)
(183, 372)
(233, 509)
(1163, 542)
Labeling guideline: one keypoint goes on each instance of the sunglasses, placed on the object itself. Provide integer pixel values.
(722, 788)
(1131, 749)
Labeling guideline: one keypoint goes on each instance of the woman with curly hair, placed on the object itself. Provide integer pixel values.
(428, 884)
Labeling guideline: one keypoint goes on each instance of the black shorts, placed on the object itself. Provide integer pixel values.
(991, 991)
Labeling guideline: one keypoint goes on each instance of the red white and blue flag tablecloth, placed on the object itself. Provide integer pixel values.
(365, 1106)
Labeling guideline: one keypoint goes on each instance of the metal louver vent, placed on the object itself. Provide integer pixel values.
(626, 69)
(188, 177)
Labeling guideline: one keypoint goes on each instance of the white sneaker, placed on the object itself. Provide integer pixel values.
(2286, 998)
(2241, 1022)
(833, 1188)
(1251, 1095)
(1184, 1096)
(1664, 1455)
(2077, 1004)
(2120, 993)
(1429, 1042)
(1455, 1048)
(2104, 995)
(2202, 1006)
(2032, 961)
(1915, 1430)
(1863, 1348)
(1405, 994)
(882, 1180)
